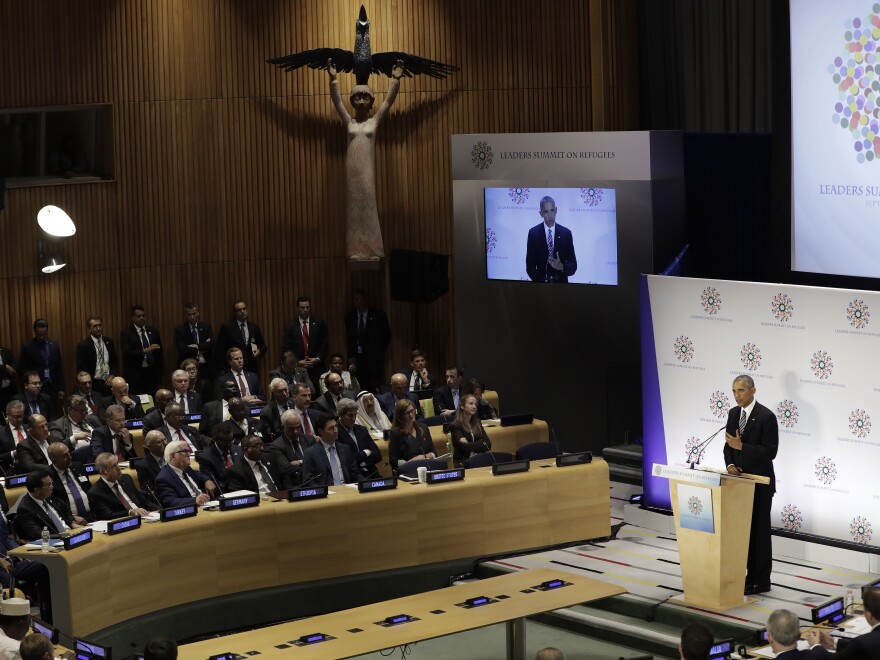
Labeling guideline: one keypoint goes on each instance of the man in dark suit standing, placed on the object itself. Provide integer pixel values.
(752, 437)
(43, 355)
(141, 354)
(36, 511)
(195, 340)
(96, 355)
(243, 334)
(33, 451)
(254, 471)
(290, 447)
(8, 375)
(247, 381)
(308, 338)
(550, 253)
(863, 647)
(367, 337)
(35, 402)
(216, 459)
(114, 495)
(366, 453)
(328, 462)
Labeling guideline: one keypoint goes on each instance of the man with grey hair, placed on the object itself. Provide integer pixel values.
(33, 452)
(175, 429)
(114, 495)
(357, 437)
(114, 437)
(153, 461)
(156, 417)
(191, 401)
(177, 484)
(752, 439)
(290, 446)
(783, 633)
(75, 428)
(270, 415)
(13, 432)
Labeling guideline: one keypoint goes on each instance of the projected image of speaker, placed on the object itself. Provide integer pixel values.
(418, 276)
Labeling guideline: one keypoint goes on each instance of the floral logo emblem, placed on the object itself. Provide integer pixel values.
(860, 530)
(854, 74)
(859, 423)
(782, 307)
(491, 239)
(825, 470)
(821, 364)
(657, 470)
(481, 155)
(750, 356)
(719, 404)
(684, 349)
(695, 506)
(519, 195)
(792, 518)
(710, 299)
(591, 196)
(691, 453)
(857, 314)
(787, 413)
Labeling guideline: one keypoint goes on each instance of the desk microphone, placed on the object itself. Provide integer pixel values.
(556, 442)
(148, 489)
(697, 450)
(310, 480)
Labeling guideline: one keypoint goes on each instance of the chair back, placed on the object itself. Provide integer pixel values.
(410, 468)
(537, 451)
(82, 454)
(488, 458)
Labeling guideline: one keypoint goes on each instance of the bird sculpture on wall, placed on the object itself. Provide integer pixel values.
(363, 231)
(363, 61)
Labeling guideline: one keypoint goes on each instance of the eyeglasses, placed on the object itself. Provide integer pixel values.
(188, 453)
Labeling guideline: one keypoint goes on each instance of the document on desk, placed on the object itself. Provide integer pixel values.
(767, 652)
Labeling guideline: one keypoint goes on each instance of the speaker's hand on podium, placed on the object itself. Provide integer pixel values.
(732, 469)
(734, 441)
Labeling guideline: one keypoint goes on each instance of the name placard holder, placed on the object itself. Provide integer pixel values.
(76, 540)
(511, 467)
(243, 502)
(445, 476)
(307, 493)
(580, 458)
(18, 480)
(90, 469)
(178, 512)
(121, 525)
(371, 485)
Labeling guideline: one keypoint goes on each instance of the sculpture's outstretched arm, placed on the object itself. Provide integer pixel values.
(393, 88)
(335, 95)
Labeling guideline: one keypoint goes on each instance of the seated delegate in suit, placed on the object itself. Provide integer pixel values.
(446, 398)
(254, 471)
(155, 419)
(247, 381)
(120, 397)
(783, 633)
(153, 461)
(337, 365)
(290, 447)
(69, 481)
(113, 437)
(484, 410)
(371, 416)
(114, 495)
(366, 453)
(417, 376)
(328, 400)
(36, 403)
(75, 428)
(270, 415)
(291, 372)
(175, 429)
(35, 511)
(33, 451)
(177, 484)
(240, 421)
(12, 433)
(398, 392)
(95, 402)
(467, 433)
(863, 647)
(204, 388)
(216, 459)
(408, 440)
(215, 412)
(191, 401)
(696, 641)
(328, 462)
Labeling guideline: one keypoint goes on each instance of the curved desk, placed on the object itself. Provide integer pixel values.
(161, 565)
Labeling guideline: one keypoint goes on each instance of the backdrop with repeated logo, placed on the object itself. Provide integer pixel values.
(814, 355)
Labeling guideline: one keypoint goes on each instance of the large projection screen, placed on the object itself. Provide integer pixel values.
(835, 85)
(814, 355)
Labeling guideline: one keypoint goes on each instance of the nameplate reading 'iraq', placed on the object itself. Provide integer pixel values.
(684, 474)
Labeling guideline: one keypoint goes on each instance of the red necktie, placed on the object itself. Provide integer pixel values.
(20, 435)
(120, 452)
(91, 403)
(242, 385)
(307, 424)
(181, 437)
(228, 461)
(306, 338)
(119, 496)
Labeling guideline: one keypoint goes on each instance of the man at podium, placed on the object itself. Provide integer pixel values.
(752, 440)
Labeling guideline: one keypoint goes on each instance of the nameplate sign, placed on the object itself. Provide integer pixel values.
(178, 512)
(371, 485)
(134, 424)
(443, 476)
(579, 458)
(19, 480)
(241, 502)
(684, 474)
(308, 493)
(511, 467)
(121, 525)
(90, 469)
(75, 540)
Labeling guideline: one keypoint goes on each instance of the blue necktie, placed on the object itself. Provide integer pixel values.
(74, 491)
(742, 422)
(549, 242)
(334, 465)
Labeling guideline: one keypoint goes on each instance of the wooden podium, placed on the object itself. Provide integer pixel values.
(713, 564)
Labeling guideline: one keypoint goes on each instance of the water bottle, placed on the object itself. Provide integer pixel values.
(45, 540)
(848, 600)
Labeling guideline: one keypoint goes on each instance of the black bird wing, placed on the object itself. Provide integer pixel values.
(412, 65)
(317, 59)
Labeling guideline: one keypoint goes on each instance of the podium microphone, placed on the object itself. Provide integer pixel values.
(697, 450)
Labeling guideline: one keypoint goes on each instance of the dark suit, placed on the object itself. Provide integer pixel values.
(87, 360)
(316, 466)
(46, 404)
(358, 440)
(537, 267)
(193, 402)
(299, 375)
(241, 476)
(420, 385)
(171, 491)
(31, 518)
(863, 647)
(319, 343)
(189, 432)
(133, 411)
(270, 420)
(286, 451)
(230, 336)
(238, 433)
(212, 463)
(35, 357)
(100, 407)
(141, 379)
(760, 442)
(58, 491)
(388, 402)
(147, 469)
(326, 403)
(23, 570)
(29, 456)
(367, 346)
(10, 390)
(62, 428)
(7, 446)
(252, 380)
(212, 414)
(182, 339)
(106, 506)
(102, 440)
(443, 400)
(152, 421)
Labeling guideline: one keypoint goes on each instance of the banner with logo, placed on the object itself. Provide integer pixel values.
(695, 508)
(814, 355)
